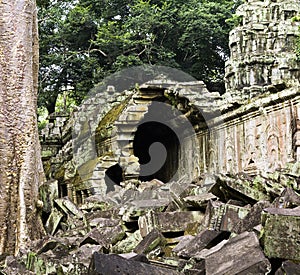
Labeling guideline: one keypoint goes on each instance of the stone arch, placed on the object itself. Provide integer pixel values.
(134, 125)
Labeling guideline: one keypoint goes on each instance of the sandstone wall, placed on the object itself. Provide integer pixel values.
(253, 128)
(262, 49)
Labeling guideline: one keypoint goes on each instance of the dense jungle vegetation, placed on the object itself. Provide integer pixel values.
(83, 41)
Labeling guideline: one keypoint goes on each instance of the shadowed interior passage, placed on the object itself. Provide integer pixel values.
(157, 147)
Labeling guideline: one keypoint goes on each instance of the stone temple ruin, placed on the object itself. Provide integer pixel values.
(251, 128)
(229, 174)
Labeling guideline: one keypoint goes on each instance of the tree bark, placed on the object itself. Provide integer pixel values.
(21, 169)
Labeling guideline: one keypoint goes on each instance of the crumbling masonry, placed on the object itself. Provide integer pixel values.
(225, 199)
(253, 127)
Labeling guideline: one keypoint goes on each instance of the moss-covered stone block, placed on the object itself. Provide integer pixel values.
(48, 192)
(281, 235)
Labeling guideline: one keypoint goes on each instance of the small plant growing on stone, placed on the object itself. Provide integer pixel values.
(235, 20)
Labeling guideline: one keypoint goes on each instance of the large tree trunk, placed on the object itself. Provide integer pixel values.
(20, 162)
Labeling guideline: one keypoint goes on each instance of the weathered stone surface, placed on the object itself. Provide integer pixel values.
(114, 264)
(288, 199)
(136, 257)
(252, 219)
(153, 184)
(200, 201)
(68, 207)
(204, 239)
(168, 221)
(48, 193)
(281, 233)
(104, 236)
(221, 216)
(102, 214)
(94, 203)
(204, 253)
(138, 208)
(103, 222)
(84, 253)
(193, 267)
(288, 268)
(152, 240)
(127, 245)
(240, 255)
(55, 248)
(183, 243)
(239, 188)
(53, 221)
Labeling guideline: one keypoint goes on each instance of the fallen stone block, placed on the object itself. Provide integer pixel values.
(281, 233)
(177, 191)
(130, 241)
(205, 239)
(193, 266)
(200, 201)
(95, 202)
(55, 249)
(252, 219)
(153, 184)
(103, 222)
(240, 255)
(107, 214)
(152, 240)
(182, 243)
(221, 216)
(168, 221)
(288, 199)
(69, 207)
(53, 221)
(288, 268)
(135, 257)
(104, 236)
(240, 188)
(137, 208)
(114, 264)
(48, 193)
(204, 253)
(84, 253)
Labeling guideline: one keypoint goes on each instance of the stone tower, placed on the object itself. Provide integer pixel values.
(263, 49)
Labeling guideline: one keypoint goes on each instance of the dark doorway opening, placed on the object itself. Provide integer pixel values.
(163, 155)
(62, 190)
(113, 177)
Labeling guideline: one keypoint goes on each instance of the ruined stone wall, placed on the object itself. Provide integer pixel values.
(262, 139)
(262, 49)
(254, 127)
(262, 136)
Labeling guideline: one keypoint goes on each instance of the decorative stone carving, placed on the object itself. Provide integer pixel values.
(262, 49)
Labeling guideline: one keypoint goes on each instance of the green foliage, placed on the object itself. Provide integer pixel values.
(83, 41)
(296, 19)
(67, 63)
(42, 117)
(234, 20)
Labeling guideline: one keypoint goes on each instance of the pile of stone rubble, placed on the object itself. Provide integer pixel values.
(218, 224)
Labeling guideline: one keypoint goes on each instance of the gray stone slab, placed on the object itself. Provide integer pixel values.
(204, 239)
(282, 233)
(221, 216)
(115, 265)
(168, 221)
(240, 255)
(288, 268)
(152, 240)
